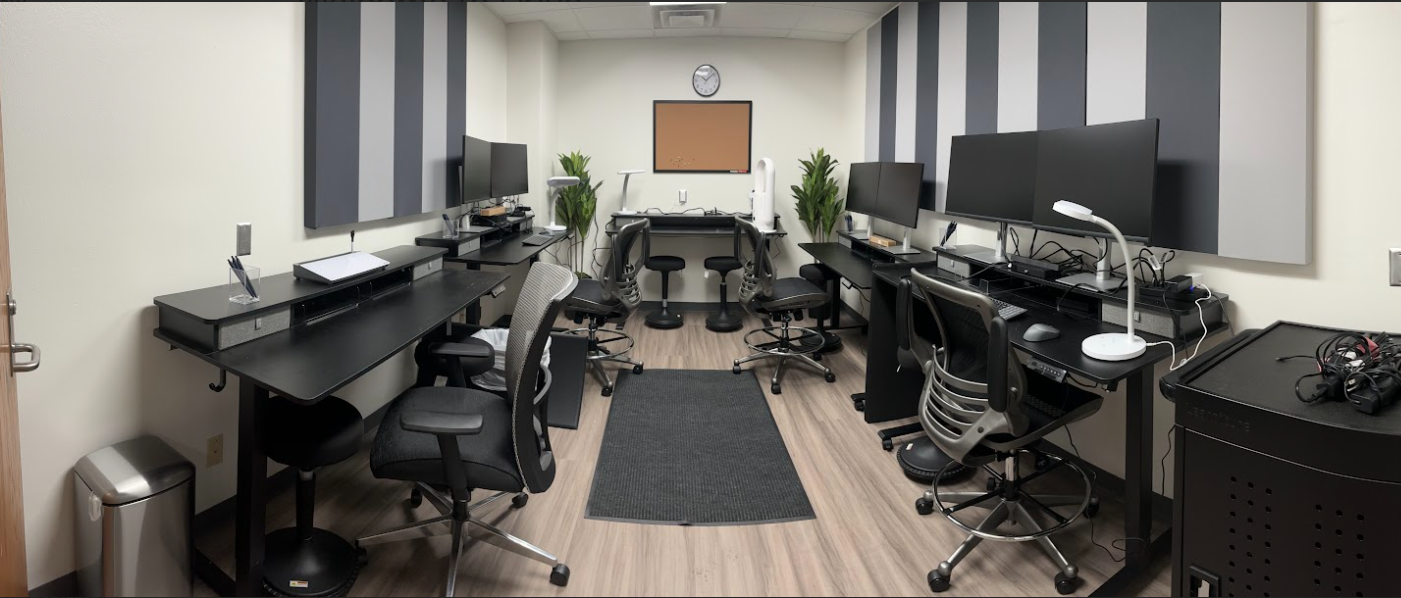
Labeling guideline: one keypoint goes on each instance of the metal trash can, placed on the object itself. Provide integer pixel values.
(134, 504)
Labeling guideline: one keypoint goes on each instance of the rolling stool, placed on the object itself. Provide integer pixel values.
(305, 560)
(724, 320)
(666, 264)
(824, 277)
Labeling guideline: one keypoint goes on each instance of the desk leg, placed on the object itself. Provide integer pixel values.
(1138, 487)
(474, 311)
(835, 301)
(249, 521)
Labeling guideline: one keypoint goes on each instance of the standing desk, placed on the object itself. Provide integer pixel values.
(893, 393)
(308, 361)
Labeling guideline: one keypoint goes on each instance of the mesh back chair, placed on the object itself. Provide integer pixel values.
(617, 295)
(466, 439)
(782, 300)
(980, 405)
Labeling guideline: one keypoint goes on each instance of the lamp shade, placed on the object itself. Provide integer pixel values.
(563, 181)
(1073, 210)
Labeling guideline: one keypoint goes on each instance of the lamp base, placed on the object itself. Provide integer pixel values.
(554, 229)
(625, 212)
(1113, 346)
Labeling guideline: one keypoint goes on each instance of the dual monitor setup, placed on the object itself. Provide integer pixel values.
(492, 170)
(888, 191)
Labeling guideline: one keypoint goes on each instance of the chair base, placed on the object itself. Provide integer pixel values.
(600, 350)
(459, 521)
(665, 320)
(323, 565)
(724, 321)
(784, 348)
(831, 343)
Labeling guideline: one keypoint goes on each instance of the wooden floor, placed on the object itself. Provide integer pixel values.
(867, 539)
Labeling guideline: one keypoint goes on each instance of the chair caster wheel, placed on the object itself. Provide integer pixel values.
(817, 356)
(363, 556)
(735, 369)
(519, 500)
(924, 506)
(776, 389)
(992, 484)
(830, 377)
(637, 369)
(560, 575)
(415, 498)
(938, 583)
(608, 391)
(859, 405)
(887, 444)
(1066, 585)
(1092, 509)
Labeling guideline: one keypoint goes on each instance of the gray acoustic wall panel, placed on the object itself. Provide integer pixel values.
(386, 104)
(1231, 83)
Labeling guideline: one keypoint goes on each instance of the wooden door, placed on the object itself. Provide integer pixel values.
(13, 581)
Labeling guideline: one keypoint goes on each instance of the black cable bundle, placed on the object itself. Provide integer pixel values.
(1362, 369)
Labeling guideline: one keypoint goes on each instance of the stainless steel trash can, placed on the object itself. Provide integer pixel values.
(134, 505)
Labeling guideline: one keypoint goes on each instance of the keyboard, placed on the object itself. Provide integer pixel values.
(1007, 310)
(538, 239)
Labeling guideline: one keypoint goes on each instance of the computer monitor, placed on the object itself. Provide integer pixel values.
(1109, 169)
(862, 188)
(993, 177)
(476, 169)
(509, 173)
(900, 184)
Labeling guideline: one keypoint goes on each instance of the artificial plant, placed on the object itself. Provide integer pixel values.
(575, 206)
(818, 198)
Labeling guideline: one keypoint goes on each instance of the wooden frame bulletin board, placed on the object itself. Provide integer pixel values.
(702, 136)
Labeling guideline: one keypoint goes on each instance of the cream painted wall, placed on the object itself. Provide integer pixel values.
(136, 136)
(606, 89)
(1355, 208)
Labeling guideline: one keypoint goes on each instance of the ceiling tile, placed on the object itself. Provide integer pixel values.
(504, 9)
(616, 17)
(878, 8)
(570, 36)
(759, 15)
(687, 32)
(559, 21)
(753, 32)
(819, 35)
(834, 20)
(620, 33)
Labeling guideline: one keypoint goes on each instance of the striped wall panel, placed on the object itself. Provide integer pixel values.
(1230, 81)
(385, 109)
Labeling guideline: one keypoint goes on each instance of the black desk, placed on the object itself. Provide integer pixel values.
(687, 230)
(307, 363)
(508, 252)
(893, 393)
(857, 265)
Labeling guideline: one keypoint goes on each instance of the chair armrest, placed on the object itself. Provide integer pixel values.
(544, 388)
(441, 424)
(468, 350)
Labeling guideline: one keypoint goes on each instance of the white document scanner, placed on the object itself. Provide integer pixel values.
(337, 268)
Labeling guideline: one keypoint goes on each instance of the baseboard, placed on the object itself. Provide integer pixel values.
(685, 306)
(1106, 481)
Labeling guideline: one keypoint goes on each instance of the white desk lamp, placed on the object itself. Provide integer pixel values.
(1110, 346)
(555, 183)
(627, 174)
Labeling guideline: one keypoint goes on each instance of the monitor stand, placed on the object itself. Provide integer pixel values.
(996, 256)
(1102, 279)
(904, 249)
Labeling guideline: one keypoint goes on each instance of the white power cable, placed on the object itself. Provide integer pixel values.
(1202, 314)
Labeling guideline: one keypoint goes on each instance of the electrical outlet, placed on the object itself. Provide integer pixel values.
(214, 451)
(1395, 259)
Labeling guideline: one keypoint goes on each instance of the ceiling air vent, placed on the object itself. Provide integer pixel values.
(685, 16)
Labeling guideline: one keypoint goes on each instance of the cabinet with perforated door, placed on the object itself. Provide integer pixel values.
(1274, 496)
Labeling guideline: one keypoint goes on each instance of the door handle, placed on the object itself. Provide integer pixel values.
(11, 308)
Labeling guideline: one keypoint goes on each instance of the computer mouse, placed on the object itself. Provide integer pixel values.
(1040, 332)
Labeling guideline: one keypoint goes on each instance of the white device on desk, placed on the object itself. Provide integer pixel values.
(338, 267)
(556, 183)
(1110, 346)
(627, 174)
(764, 183)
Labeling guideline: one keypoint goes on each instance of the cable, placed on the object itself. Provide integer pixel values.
(1094, 483)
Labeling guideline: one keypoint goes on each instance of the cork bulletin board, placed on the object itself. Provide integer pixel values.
(701, 136)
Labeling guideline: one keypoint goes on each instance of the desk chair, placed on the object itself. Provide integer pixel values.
(666, 264)
(618, 294)
(306, 560)
(466, 439)
(783, 300)
(980, 405)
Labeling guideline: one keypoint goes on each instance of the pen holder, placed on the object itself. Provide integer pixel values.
(449, 229)
(241, 282)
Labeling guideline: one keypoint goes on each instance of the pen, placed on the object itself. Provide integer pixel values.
(242, 275)
(948, 232)
(352, 241)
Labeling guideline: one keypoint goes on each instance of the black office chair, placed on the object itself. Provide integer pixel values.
(467, 439)
(980, 405)
(306, 560)
(666, 264)
(782, 300)
(617, 295)
(724, 320)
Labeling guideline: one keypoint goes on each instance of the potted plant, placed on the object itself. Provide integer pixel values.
(818, 202)
(575, 207)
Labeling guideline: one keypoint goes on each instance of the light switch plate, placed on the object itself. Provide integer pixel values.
(1395, 259)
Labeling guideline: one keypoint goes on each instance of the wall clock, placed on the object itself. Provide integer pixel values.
(706, 80)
